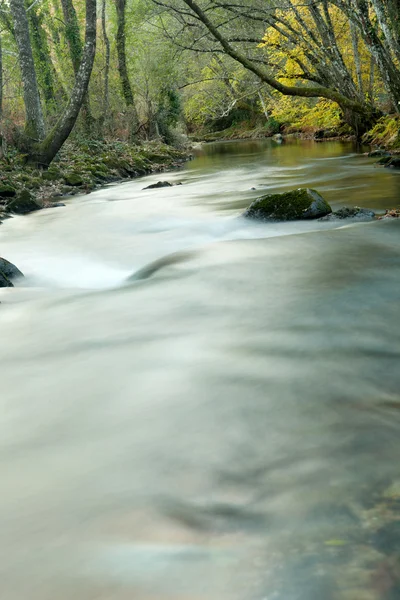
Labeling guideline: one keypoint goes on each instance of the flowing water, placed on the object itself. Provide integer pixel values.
(196, 407)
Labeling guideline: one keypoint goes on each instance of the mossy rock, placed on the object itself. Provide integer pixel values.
(298, 204)
(385, 160)
(73, 179)
(23, 203)
(7, 191)
(9, 270)
(393, 163)
(350, 212)
(4, 281)
(377, 153)
(51, 175)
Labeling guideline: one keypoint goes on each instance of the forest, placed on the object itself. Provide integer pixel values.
(139, 70)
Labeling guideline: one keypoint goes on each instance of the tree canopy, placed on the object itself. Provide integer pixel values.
(140, 69)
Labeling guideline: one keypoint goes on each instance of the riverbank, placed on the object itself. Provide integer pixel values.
(79, 168)
(385, 134)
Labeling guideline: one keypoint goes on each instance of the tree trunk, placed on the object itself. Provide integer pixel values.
(356, 55)
(44, 152)
(120, 6)
(34, 126)
(73, 35)
(107, 62)
(2, 140)
(43, 58)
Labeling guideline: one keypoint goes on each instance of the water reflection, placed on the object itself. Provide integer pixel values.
(337, 169)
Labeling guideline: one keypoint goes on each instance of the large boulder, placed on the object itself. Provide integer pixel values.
(8, 271)
(289, 206)
(23, 203)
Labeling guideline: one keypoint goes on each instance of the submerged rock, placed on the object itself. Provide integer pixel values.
(23, 203)
(385, 160)
(350, 212)
(8, 271)
(4, 281)
(391, 214)
(159, 184)
(393, 163)
(376, 153)
(298, 204)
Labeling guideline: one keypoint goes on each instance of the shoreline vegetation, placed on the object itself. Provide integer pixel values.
(80, 168)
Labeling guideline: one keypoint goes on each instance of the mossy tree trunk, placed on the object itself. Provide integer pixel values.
(43, 153)
(126, 87)
(42, 56)
(73, 35)
(34, 123)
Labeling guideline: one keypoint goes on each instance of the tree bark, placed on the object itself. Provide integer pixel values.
(73, 35)
(43, 58)
(44, 152)
(356, 55)
(107, 61)
(127, 93)
(34, 126)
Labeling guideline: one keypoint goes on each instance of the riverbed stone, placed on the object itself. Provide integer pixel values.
(4, 281)
(9, 270)
(377, 153)
(23, 203)
(159, 184)
(350, 212)
(394, 163)
(303, 203)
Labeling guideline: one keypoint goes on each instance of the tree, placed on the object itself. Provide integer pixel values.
(34, 124)
(229, 25)
(41, 150)
(73, 35)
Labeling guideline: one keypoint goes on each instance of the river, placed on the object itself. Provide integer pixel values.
(196, 407)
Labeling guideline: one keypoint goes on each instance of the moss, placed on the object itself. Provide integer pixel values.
(7, 191)
(289, 206)
(385, 133)
(73, 179)
(51, 176)
(23, 203)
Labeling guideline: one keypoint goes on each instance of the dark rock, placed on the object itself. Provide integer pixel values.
(23, 203)
(159, 184)
(347, 212)
(385, 160)
(4, 281)
(7, 191)
(376, 153)
(9, 270)
(289, 206)
(394, 163)
(387, 538)
(73, 179)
